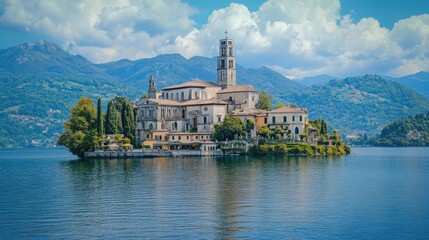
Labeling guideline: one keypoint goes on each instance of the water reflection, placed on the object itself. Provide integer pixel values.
(221, 194)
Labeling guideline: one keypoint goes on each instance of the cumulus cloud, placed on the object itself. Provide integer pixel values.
(295, 37)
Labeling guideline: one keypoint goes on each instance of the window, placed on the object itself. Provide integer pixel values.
(230, 98)
(183, 113)
(274, 119)
(219, 118)
(187, 137)
(265, 120)
(293, 118)
(300, 118)
(296, 130)
(172, 137)
(180, 138)
(196, 137)
(177, 96)
(182, 96)
(284, 119)
(205, 120)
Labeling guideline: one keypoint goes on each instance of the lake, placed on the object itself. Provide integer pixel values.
(373, 193)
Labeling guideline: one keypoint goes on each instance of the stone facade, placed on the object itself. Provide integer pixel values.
(183, 115)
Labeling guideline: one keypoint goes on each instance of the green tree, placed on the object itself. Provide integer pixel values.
(100, 119)
(80, 134)
(112, 119)
(264, 132)
(231, 128)
(128, 121)
(265, 101)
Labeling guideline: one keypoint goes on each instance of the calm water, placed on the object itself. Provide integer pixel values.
(374, 193)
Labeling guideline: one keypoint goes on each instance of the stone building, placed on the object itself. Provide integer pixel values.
(183, 116)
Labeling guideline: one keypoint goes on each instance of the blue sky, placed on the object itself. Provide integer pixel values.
(298, 38)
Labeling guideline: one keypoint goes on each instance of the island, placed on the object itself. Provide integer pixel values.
(200, 118)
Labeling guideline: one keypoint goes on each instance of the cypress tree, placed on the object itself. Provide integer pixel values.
(100, 119)
(128, 120)
(112, 119)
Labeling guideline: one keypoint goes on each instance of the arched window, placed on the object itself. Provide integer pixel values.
(171, 96)
(150, 126)
(183, 113)
(296, 130)
(182, 96)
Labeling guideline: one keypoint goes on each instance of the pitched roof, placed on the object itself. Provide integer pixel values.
(238, 88)
(213, 101)
(287, 109)
(193, 83)
(248, 111)
(161, 101)
(194, 102)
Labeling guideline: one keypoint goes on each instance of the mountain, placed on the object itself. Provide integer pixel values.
(39, 82)
(365, 103)
(172, 69)
(315, 80)
(47, 60)
(419, 82)
(411, 131)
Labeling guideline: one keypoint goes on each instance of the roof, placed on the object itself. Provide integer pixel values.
(287, 109)
(192, 84)
(248, 111)
(239, 88)
(213, 101)
(194, 102)
(161, 101)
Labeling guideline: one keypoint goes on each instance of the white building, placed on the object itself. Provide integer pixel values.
(186, 113)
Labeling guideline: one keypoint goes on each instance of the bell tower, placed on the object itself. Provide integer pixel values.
(152, 88)
(226, 76)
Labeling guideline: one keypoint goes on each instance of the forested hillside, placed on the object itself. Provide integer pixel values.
(365, 103)
(410, 131)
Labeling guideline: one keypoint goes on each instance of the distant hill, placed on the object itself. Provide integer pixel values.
(365, 103)
(419, 82)
(410, 131)
(315, 80)
(171, 69)
(47, 60)
(39, 83)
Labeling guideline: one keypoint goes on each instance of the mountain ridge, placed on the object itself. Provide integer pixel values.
(37, 93)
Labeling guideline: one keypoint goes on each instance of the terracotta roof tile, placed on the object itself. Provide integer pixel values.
(239, 88)
(193, 83)
(287, 109)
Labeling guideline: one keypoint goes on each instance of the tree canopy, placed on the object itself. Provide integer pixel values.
(265, 101)
(231, 128)
(81, 134)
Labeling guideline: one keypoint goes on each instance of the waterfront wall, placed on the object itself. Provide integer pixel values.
(149, 153)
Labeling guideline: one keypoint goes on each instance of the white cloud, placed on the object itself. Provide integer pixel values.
(296, 37)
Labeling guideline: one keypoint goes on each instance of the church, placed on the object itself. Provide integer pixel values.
(183, 116)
